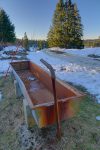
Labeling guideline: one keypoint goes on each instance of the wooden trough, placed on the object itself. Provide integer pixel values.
(36, 86)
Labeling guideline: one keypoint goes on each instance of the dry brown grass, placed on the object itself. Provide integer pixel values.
(11, 116)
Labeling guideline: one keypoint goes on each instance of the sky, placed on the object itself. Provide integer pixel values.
(35, 16)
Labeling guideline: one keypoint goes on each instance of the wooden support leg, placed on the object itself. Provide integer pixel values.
(30, 122)
(17, 89)
(12, 77)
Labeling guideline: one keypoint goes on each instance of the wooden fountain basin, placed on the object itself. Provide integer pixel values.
(36, 86)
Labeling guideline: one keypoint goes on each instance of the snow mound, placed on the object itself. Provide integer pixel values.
(32, 49)
(79, 52)
(12, 49)
(4, 64)
(84, 52)
(56, 49)
(4, 56)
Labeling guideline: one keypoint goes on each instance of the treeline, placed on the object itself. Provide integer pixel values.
(8, 36)
(92, 43)
(66, 30)
(26, 43)
(39, 44)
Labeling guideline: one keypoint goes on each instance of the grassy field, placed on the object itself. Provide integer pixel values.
(11, 116)
(81, 132)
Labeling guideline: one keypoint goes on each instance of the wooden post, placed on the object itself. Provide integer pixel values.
(30, 122)
(17, 89)
(12, 76)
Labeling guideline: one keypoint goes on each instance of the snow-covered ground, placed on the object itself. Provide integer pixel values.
(4, 64)
(86, 76)
(5, 53)
(4, 56)
(13, 48)
(78, 70)
(85, 52)
(32, 49)
(79, 52)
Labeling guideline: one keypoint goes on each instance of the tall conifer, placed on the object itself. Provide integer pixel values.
(66, 30)
(7, 29)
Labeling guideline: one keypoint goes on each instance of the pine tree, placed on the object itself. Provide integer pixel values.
(7, 29)
(25, 41)
(66, 30)
(56, 35)
(75, 28)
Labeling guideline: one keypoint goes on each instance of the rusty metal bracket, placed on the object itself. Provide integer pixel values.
(53, 78)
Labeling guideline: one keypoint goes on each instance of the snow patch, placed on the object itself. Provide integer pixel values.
(79, 52)
(98, 118)
(4, 56)
(85, 76)
(12, 48)
(4, 64)
(32, 49)
(84, 52)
